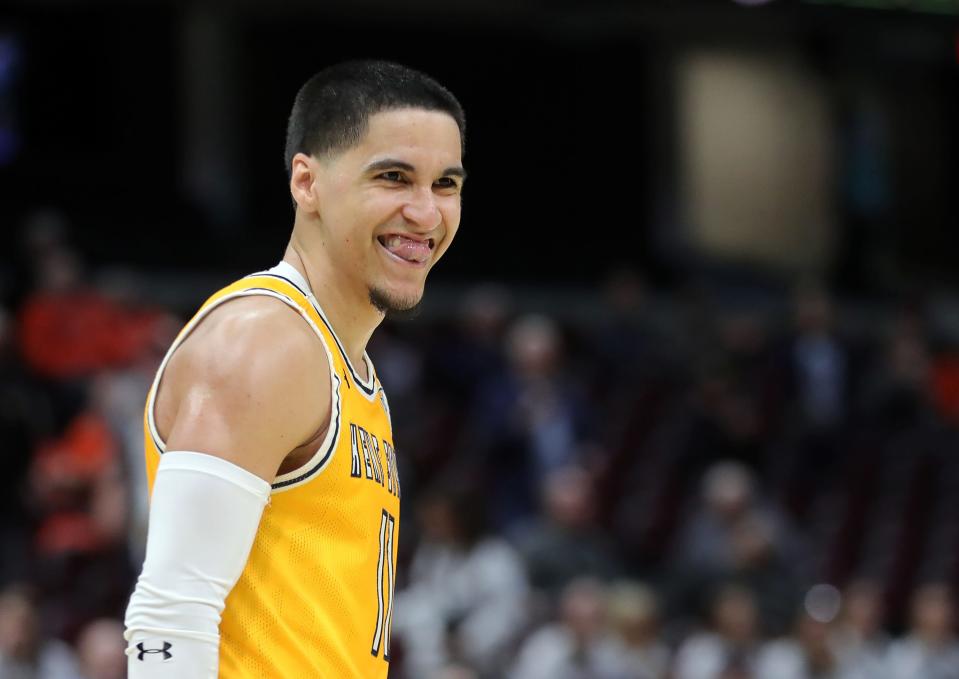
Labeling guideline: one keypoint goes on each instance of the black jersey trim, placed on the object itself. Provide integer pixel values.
(282, 278)
(321, 463)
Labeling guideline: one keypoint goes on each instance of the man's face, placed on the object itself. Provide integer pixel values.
(390, 205)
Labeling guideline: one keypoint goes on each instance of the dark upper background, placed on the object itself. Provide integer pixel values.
(157, 127)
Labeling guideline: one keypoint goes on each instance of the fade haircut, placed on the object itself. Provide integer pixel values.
(332, 110)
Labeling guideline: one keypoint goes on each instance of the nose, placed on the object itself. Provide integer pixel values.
(421, 209)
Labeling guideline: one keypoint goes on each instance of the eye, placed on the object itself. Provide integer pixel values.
(447, 183)
(392, 176)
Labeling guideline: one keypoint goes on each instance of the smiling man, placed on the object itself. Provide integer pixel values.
(274, 514)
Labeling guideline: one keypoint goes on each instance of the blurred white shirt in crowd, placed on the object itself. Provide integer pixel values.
(911, 658)
(481, 593)
(552, 653)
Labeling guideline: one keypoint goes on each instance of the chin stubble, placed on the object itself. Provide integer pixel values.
(394, 308)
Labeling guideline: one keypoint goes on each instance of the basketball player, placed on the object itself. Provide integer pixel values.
(274, 511)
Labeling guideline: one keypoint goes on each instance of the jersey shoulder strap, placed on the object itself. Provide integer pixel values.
(284, 280)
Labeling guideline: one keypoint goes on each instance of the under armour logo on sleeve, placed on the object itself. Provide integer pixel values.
(147, 651)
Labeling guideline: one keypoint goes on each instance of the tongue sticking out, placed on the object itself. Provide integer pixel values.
(406, 248)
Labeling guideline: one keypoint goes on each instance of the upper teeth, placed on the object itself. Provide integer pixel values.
(393, 241)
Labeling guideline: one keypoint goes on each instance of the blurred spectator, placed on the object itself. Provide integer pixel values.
(101, 650)
(810, 391)
(546, 406)
(579, 646)
(628, 344)
(41, 231)
(931, 650)
(118, 396)
(727, 497)
(734, 538)
(477, 352)
(456, 672)
(738, 668)
(467, 590)
(730, 646)
(528, 421)
(759, 566)
(565, 542)
(24, 653)
(819, 365)
(634, 617)
(744, 338)
(69, 330)
(808, 655)
(858, 639)
(62, 472)
(710, 420)
(900, 393)
(82, 566)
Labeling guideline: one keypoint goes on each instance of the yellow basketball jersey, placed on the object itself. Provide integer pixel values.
(315, 598)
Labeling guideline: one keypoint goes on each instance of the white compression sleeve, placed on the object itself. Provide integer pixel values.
(204, 514)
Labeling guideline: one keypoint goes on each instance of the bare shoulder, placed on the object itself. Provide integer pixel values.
(250, 384)
(251, 333)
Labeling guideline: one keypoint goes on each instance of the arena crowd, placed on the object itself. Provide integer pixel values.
(684, 484)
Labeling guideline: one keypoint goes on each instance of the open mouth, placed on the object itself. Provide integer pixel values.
(407, 249)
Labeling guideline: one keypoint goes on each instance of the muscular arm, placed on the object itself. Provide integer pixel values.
(246, 388)
(250, 385)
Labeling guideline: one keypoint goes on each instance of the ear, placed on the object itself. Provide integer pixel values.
(302, 178)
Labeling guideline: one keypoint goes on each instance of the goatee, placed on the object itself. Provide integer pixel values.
(394, 308)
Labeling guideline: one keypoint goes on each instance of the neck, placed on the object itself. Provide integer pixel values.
(349, 311)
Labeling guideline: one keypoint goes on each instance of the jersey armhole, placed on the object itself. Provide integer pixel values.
(324, 453)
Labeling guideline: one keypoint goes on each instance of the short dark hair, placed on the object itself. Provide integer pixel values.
(331, 111)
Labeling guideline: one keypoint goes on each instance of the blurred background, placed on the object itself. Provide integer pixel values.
(683, 400)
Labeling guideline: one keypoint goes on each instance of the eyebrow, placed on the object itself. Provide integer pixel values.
(393, 164)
